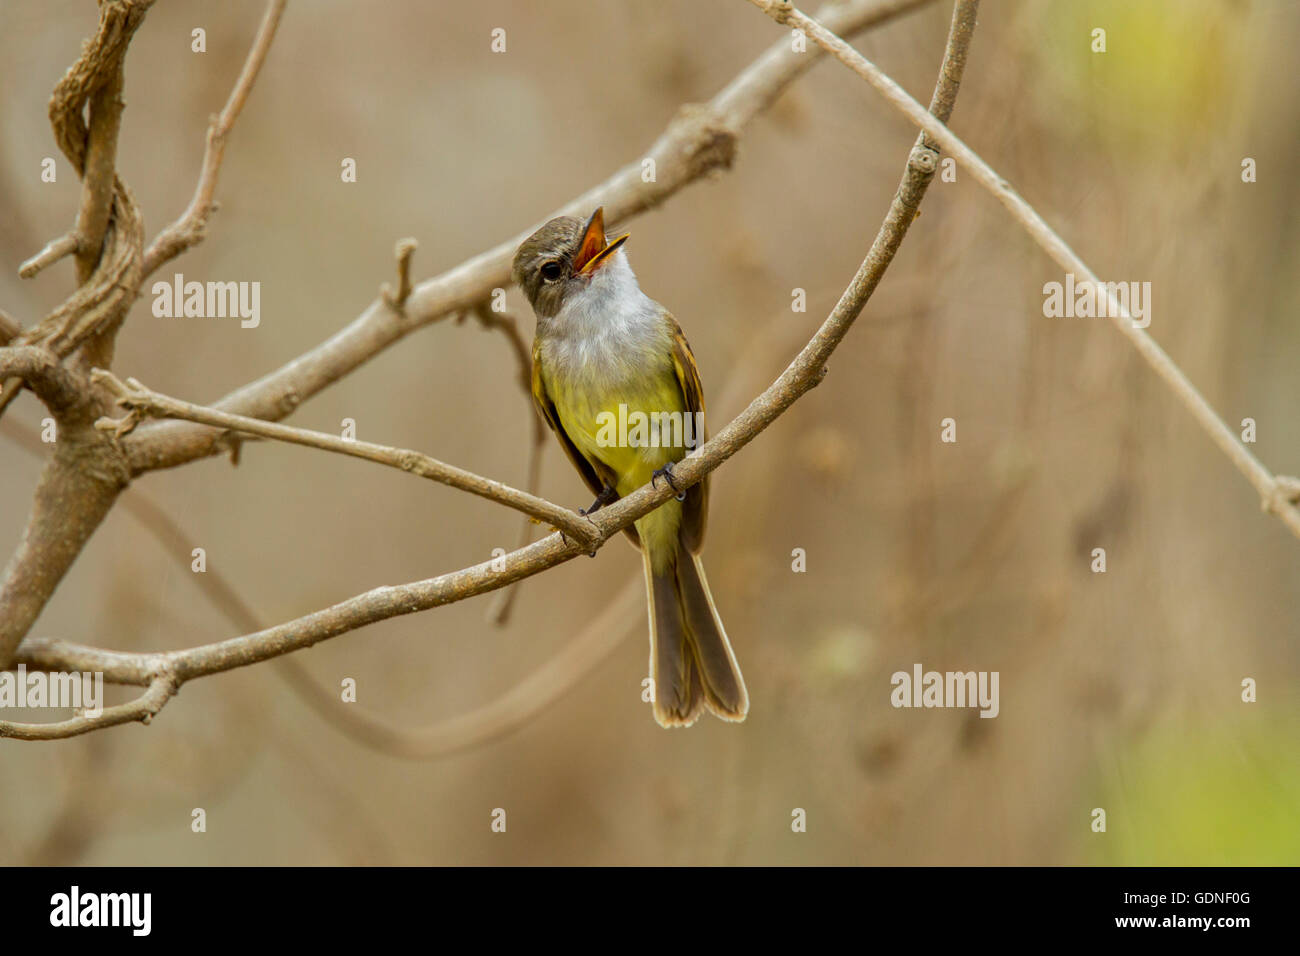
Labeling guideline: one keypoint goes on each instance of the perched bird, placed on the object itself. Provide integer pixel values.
(605, 353)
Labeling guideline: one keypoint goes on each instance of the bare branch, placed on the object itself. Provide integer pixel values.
(508, 325)
(403, 251)
(99, 179)
(499, 611)
(86, 473)
(9, 328)
(109, 235)
(190, 228)
(54, 250)
(499, 717)
(60, 388)
(76, 490)
(1275, 493)
(142, 709)
(144, 401)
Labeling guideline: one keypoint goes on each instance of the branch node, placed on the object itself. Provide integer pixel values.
(119, 426)
(106, 379)
(233, 443)
(924, 159)
(54, 250)
(132, 396)
(403, 252)
(1284, 494)
(779, 10)
(289, 402)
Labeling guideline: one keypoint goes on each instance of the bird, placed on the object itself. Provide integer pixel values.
(606, 359)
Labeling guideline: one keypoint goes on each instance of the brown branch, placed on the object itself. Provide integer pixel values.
(109, 234)
(489, 722)
(76, 490)
(99, 177)
(803, 374)
(143, 401)
(499, 611)
(191, 227)
(86, 473)
(499, 717)
(142, 709)
(403, 251)
(700, 140)
(1277, 493)
(60, 388)
(9, 328)
(54, 250)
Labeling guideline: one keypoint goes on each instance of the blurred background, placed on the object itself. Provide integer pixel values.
(1119, 690)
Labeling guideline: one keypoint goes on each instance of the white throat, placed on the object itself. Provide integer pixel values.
(610, 306)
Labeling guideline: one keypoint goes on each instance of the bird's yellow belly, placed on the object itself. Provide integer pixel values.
(634, 441)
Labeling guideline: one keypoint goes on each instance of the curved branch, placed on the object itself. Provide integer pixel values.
(142, 709)
(145, 401)
(60, 388)
(190, 228)
(1277, 493)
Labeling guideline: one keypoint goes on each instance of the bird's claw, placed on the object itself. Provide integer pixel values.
(666, 473)
(607, 494)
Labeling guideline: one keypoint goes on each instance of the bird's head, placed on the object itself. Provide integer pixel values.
(560, 260)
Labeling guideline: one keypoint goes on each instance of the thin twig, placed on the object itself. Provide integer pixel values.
(99, 179)
(59, 387)
(403, 251)
(501, 716)
(109, 233)
(144, 401)
(54, 250)
(190, 228)
(498, 611)
(9, 327)
(1276, 493)
(142, 709)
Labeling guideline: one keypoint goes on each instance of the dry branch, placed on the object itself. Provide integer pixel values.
(144, 401)
(190, 228)
(82, 480)
(1277, 493)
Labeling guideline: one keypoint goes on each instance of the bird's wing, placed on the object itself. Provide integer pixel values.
(595, 480)
(695, 509)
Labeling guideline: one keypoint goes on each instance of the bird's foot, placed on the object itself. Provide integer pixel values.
(666, 473)
(606, 496)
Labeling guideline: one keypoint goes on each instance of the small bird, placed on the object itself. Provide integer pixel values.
(604, 352)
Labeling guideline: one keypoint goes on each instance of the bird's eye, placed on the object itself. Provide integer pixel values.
(551, 270)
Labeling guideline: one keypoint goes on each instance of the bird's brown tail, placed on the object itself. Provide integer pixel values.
(691, 659)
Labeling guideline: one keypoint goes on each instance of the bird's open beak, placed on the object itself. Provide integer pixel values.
(594, 249)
